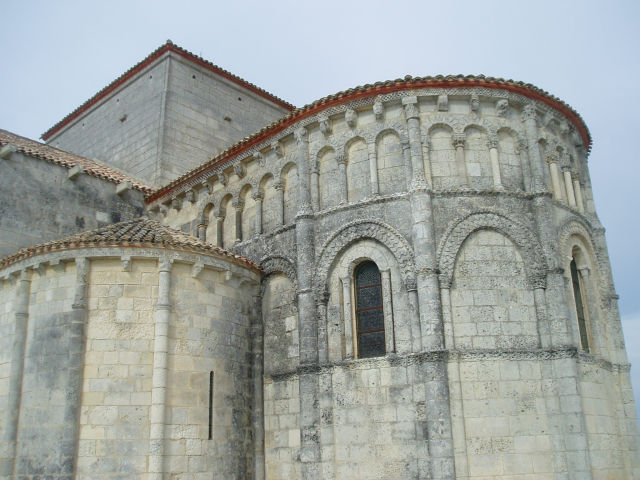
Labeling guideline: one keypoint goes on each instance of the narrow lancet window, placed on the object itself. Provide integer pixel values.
(210, 405)
(578, 290)
(369, 315)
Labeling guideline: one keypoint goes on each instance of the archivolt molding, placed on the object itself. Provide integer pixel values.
(279, 264)
(361, 230)
(530, 249)
(575, 227)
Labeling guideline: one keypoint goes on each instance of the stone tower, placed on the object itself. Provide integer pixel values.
(405, 280)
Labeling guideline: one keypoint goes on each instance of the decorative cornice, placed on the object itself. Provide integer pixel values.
(369, 93)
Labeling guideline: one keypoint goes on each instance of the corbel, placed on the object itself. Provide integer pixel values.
(351, 117)
(126, 263)
(474, 103)
(56, 265)
(75, 172)
(323, 124)
(277, 148)
(239, 170)
(502, 107)
(176, 203)
(7, 150)
(197, 268)
(378, 109)
(123, 187)
(190, 196)
(443, 103)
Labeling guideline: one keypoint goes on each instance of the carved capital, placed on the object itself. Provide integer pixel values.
(411, 107)
(190, 196)
(223, 179)
(551, 157)
(239, 170)
(237, 203)
(351, 117)
(492, 142)
(341, 159)
(528, 112)
(458, 140)
(522, 144)
(257, 195)
(278, 185)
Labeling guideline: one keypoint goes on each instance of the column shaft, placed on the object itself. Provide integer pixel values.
(258, 225)
(555, 181)
(578, 191)
(495, 166)
(159, 378)
(568, 184)
(373, 168)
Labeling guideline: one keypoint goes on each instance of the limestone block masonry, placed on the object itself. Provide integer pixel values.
(407, 280)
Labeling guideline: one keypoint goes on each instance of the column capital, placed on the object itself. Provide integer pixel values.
(458, 140)
(411, 107)
(492, 141)
(341, 159)
(278, 185)
(528, 112)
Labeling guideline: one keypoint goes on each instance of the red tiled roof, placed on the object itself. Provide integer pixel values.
(152, 57)
(139, 232)
(69, 160)
(371, 90)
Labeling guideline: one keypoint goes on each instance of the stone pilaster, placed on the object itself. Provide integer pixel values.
(21, 319)
(440, 441)
(307, 319)
(257, 370)
(77, 344)
(238, 206)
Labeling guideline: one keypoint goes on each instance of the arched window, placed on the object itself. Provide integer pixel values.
(581, 310)
(369, 315)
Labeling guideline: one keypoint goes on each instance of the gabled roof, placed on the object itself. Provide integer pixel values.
(371, 90)
(169, 46)
(137, 233)
(69, 160)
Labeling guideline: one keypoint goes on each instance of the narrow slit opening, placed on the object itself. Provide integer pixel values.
(210, 405)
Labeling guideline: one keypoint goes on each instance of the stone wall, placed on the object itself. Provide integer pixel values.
(38, 203)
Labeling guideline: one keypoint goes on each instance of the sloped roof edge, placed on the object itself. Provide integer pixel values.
(137, 233)
(169, 46)
(54, 155)
(370, 90)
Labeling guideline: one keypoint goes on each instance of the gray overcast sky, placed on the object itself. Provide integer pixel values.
(57, 54)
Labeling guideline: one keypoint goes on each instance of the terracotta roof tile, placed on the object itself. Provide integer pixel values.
(69, 160)
(140, 232)
(169, 46)
(369, 90)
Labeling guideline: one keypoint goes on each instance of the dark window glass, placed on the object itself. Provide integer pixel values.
(369, 315)
(577, 296)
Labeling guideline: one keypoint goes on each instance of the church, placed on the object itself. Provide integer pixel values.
(404, 280)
